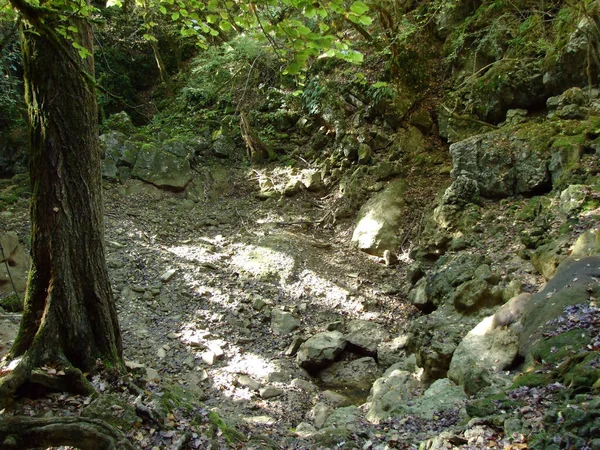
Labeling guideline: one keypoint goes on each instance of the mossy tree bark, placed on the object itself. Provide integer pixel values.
(70, 319)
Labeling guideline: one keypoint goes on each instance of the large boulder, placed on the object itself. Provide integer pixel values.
(484, 351)
(161, 168)
(320, 350)
(574, 283)
(506, 162)
(377, 227)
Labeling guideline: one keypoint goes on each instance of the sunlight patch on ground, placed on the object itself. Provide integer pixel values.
(251, 364)
(264, 262)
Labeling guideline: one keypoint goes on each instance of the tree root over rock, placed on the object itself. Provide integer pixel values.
(87, 434)
(16, 374)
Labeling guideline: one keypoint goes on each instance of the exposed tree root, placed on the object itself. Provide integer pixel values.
(87, 434)
(17, 373)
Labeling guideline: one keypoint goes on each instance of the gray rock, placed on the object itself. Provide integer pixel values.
(246, 381)
(377, 225)
(510, 313)
(365, 336)
(335, 399)
(270, 392)
(390, 393)
(574, 283)
(319, 414)
(320, 350)
(474, 295)
(283, 322)
(341, 417)
(223, 146)
(161, 168)
(572, 199)
(357, 374)
(516, 116)
(305, 430)
(463, 190)
(485, 350)
(441, 396)
(392, 352)
(506, 162)
(587, 244)
(312, 180)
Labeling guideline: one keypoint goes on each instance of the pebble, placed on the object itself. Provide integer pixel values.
(270, 392)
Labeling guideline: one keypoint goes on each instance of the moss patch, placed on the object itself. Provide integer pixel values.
(557, 348)
(231, 435)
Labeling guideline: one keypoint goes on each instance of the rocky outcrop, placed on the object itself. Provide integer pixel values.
(506, 162)
(377, 223)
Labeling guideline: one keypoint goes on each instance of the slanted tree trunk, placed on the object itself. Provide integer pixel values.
(70, 319)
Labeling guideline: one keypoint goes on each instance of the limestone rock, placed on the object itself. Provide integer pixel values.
(484, 350)
(463, 190)
(506, 162)
(161, 168)
(390, 393)
(377, 223)
(341, 417)
(320, 350)
(283, 322)
(441, 396)
(392, 352)
(365, 336)
(574, 283)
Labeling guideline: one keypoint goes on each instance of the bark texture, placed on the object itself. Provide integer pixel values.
(70, 317)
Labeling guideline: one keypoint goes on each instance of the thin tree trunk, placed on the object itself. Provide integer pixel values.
(70, 316)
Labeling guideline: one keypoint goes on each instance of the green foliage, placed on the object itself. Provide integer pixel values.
(313, 96)
(220, 72)
(11, 98)
(12, 303)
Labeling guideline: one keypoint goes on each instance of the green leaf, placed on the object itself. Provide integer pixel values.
(380, 84)
(354, 57)
(214, 32)
(310, 11)
(292, 69)
(229, 4)
(359, 8)
(72, 29)
(175, 16)
(365, 20)
(212, 18)
(225, 25)
(162, 9)
(150, 38)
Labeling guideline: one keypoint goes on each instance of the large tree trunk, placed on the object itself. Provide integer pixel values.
(70, 318)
